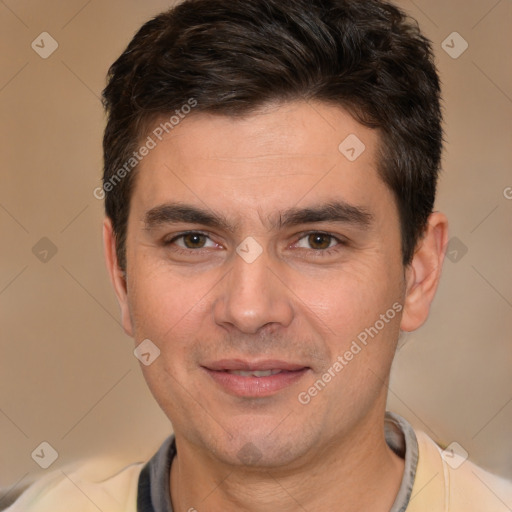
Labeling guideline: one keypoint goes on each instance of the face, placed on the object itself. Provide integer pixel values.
(266, 267)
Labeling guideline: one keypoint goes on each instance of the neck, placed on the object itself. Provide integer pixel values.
(357, 472)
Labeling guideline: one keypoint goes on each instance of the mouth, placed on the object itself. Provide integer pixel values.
(254, 378)
(254, 373)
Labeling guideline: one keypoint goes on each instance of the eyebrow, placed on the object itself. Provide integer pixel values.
(334, 211)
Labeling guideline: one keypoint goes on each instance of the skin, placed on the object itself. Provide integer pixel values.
(300, 301)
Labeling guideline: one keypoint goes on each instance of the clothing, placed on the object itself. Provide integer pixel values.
(429, 484)
(154, 492)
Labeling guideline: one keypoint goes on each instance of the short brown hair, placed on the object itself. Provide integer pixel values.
(234, 56)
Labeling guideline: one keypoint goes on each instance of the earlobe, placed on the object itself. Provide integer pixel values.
(424, 272)
(117, 276)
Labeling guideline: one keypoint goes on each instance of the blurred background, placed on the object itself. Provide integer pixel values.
(67, 371)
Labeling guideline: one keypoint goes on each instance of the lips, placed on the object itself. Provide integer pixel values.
(254, 378)
(250, 366)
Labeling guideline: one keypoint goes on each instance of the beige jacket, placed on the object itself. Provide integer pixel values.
(438, 487)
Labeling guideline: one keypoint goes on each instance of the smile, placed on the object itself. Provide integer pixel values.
(254, 379)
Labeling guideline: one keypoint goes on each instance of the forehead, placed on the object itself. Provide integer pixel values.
(293, 130)
(281, 155)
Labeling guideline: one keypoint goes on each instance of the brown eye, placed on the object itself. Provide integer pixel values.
(319, 241)
(194, 240)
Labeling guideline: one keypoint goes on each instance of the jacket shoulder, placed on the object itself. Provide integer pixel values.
(446, 481)
(95, 484)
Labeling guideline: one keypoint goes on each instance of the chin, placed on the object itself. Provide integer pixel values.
(254, 455)
(256, 449)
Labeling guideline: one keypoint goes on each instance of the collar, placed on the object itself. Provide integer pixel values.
(154, 492)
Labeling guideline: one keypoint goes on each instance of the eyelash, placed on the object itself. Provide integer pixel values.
(318, 252)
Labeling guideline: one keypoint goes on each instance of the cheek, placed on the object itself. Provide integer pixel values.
(347, 300)
(169, 311)
(163, 302)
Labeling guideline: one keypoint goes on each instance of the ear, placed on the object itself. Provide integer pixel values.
(424, 272)
(117, 276)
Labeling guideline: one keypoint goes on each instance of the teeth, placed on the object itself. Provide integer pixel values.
(254, 373)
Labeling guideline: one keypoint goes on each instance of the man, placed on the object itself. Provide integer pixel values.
(270, 176)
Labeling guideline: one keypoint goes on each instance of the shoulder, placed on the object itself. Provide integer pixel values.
(94, 485)
(447, 482)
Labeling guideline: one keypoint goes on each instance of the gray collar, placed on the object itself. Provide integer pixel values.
(154, 494)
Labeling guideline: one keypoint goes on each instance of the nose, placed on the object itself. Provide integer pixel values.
(252, 297)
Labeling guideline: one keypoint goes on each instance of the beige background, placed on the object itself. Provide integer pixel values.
(68, 374)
